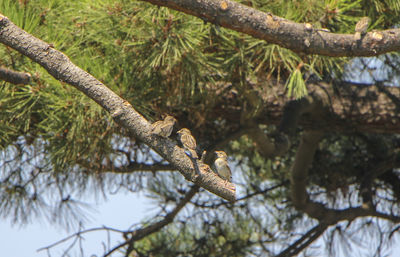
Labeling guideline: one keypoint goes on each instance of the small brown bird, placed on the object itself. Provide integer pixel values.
(221, 164)
(163, 127)
(188, 142)
(361, 27)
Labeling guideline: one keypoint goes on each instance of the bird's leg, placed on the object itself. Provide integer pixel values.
(196, 168)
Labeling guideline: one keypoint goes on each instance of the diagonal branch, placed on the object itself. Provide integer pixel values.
(61, 68)
(304, 241)
(299, 37)
(143, 232)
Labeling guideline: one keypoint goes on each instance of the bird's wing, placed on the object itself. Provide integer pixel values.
(190, 142)
(167, 128)
(156, 127)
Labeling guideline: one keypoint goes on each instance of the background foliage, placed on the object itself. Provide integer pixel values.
(55, 142)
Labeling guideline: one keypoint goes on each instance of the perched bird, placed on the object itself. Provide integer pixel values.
(361, 27)
(221, 164)
(188, 142)
(163, 127)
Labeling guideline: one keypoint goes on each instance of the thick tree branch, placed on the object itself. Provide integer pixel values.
(301, 200)
(60, 67)
(332, 216)
(14, 77)
(300, 197)
(376, 170)
(315, 105)
(299, 172)
(351, 107)
(295, 36)
(267, 147)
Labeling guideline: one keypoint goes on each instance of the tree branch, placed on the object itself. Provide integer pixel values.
(129, 168)
(150, 229)
(140, 167)
(300, 197)
(350, 108)
(365, 107)
(299, 37)
(77, 234)
(301, 200)
(299, 172)
(14, 77)
(265, 146)
(245, 197)
(304, 241)
(315, 105)
(61, 68)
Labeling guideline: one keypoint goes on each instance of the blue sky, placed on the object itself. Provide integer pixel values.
(120, 211)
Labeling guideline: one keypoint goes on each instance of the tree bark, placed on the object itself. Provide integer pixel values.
(299, 37)
(61, 68)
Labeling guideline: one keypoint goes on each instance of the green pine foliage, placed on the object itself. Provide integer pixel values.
(56, 141)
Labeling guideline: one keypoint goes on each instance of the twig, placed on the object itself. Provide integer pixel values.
(78, 234)
(211, 206)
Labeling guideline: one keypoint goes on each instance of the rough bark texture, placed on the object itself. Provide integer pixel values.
(14, 77)
(341, 107)
(295, 36)
(60, 67)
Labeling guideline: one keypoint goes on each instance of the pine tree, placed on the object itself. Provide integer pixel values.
(311, 134)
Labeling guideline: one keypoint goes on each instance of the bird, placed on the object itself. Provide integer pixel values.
(163, 127)
(222, 167)
(188, 142)
(361, 27)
